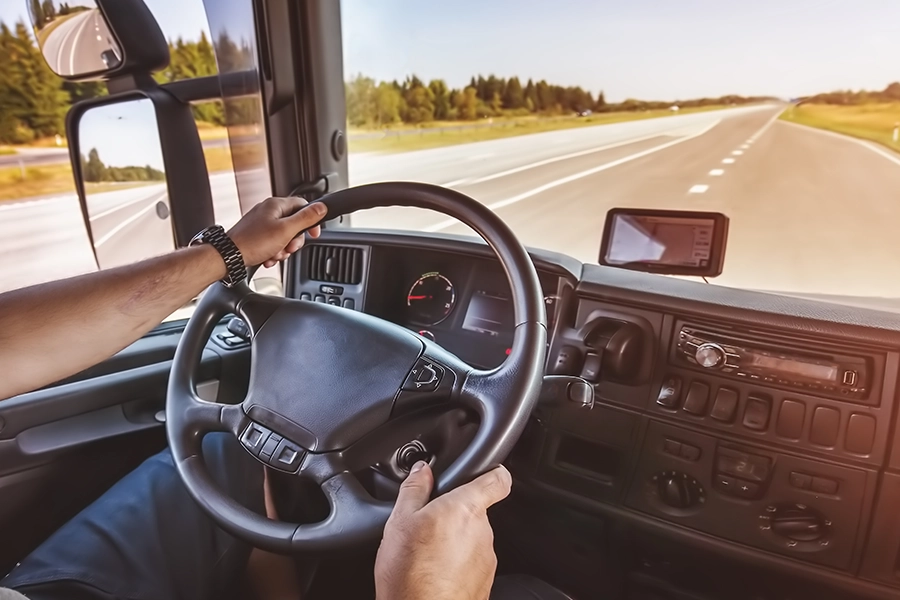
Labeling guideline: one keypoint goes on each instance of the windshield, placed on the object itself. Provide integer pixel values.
(783, 116)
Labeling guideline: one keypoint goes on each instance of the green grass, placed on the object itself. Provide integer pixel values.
(873, 122)
(6, 151)
(502, 129)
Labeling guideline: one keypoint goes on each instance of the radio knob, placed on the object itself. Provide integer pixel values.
(710, 356)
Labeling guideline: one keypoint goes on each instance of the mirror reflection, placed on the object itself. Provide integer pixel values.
(125, 182)
(74, 37)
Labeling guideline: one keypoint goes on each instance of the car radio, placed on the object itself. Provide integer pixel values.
(837, 375)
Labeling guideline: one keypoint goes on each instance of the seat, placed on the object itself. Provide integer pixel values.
(525, 587)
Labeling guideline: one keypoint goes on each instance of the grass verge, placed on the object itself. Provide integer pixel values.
(502, 129)
(875, 122)
(38, 181)
(7, 151)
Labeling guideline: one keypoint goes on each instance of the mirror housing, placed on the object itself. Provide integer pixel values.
(98, 39)
(180, 154)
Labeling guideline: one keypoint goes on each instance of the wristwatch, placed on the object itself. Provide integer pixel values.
(216, 237)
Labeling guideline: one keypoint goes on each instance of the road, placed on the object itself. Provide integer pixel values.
(811, 212)
(75, 45)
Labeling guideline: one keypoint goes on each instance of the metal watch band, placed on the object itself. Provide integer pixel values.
(216, 237)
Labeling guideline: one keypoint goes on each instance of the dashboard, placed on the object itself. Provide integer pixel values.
(748, 425)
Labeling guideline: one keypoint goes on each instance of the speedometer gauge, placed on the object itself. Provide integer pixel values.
(431, 299)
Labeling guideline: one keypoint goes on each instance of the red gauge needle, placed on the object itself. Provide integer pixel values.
(418, 297)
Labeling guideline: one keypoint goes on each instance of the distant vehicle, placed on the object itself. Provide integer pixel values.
(674, 108)
(585, 113)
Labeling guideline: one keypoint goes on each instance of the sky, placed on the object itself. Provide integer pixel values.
(113, 130)
(647, 49)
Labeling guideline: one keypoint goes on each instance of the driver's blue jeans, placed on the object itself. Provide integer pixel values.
(146, 538)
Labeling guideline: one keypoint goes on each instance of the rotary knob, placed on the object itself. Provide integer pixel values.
(678, 490)
(710, 355)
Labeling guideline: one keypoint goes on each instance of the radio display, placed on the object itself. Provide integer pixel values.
(810, 370)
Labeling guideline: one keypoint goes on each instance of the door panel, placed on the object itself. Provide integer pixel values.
(62, 446)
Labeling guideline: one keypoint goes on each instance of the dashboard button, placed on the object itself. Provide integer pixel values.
(725, 406)
(320, 298)
(801, 481)
(670, 392)
(790, 419)
(672, 447)
(825, 425)
(286, 457)
(591, 369)
(724, 483)
(823, 485)
(697, 397)
(269, 447)
(334, 301)
(348, 303)
(860, 434)
(746, 490)
(689, 452)
(306, 296)
(425, 376)
(756, 415)
(255, 437)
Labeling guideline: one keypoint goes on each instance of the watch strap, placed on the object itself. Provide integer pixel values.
(215, 236)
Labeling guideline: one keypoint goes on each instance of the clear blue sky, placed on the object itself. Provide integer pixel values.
(651, 49)
(124, 134)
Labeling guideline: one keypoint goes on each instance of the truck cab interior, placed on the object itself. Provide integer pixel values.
(668, 438)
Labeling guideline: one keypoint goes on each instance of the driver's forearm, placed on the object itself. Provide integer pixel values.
(53, 330)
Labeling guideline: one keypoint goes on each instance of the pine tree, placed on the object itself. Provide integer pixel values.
(513, 96)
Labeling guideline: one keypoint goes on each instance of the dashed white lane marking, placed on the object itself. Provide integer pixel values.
(745, 146)
(737, 152)
(698, 189)
(124, 224)
(717, 172)
(441, 225)
(727, 161)
(888, 155)
(99, 38)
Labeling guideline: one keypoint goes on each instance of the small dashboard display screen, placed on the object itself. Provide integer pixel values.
(488, 313)
(810, 370)
(660, 240)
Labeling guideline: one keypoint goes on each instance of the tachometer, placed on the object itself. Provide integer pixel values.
(431, 299)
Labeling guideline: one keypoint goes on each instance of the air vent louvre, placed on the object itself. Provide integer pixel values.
(334, 264)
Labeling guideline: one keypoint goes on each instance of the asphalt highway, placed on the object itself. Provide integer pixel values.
(811, 212)
(76, 45)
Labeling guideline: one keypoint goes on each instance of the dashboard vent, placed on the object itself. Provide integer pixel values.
(334, 264)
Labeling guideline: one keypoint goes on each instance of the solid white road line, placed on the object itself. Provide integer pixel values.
(550, 161)
(84, 23)
(126, 204)
(717, 172)
(737, 152)
(480, 156)
(765, 127)
(455, 182)
(123, 225)
(727, 161)
(440, 226)
(698, 189)
(894, 158)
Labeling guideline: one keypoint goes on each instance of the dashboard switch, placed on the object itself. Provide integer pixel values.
(348, 303)
(566, 362)
(286, 457)
(320, 298)
(672, 447)
(591, 369)
(334, 301)
(725, 405)
(823, 485)
(860, 434)
(756, 415)
(790, 419)
(825, 424)
(801, 481)
(670, 392)
(696, 399)
(691, 453)
(306, 296)
(254, 438)
(334, 290)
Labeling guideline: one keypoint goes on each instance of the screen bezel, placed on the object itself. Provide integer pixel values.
(717, 251)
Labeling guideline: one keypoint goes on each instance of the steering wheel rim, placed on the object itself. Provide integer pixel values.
(281, 328)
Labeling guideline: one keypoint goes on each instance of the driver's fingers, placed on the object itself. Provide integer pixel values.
(484, 491)
(415, 491)
(308, 216)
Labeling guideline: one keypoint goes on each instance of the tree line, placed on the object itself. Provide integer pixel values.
(852, 98)
(34, 100)
(44, 12)
(377, 104)
(95, 170)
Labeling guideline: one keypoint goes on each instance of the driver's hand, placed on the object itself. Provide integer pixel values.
(268, 232)
(444, 549)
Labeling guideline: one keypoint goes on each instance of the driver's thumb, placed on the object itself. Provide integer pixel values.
(415, 491)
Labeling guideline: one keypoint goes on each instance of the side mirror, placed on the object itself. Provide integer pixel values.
(140, 174)
(92, 39)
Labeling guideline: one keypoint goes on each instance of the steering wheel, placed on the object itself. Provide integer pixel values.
(327, 384)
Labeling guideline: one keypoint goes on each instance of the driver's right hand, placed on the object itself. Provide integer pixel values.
(443, 549)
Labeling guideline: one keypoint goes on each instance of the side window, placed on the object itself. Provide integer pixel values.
(42, 232)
